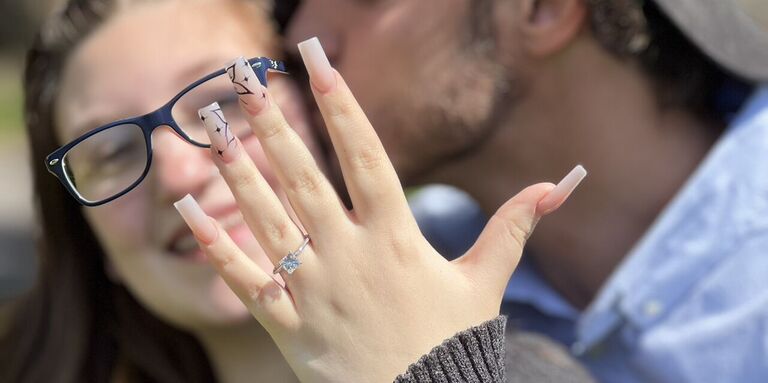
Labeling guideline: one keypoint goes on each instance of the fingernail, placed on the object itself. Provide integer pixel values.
(319, 68)
(223, 141)
(560, 193)
(253, 95)
(201, 225)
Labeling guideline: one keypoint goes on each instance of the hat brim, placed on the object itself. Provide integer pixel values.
(722, 30)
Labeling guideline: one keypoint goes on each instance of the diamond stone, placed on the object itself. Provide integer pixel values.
(290, 263)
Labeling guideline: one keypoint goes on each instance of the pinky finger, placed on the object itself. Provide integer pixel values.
(269, 302)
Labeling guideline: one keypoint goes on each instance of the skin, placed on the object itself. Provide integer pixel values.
(324, 327)
(132, 64)
(331, 328)
(491, 121)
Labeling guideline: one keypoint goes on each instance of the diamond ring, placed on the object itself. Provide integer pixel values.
(291, 262)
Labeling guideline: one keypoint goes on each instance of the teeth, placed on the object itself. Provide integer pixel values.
(186, 244)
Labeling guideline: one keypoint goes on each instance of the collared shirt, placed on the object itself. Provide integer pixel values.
(689, 303)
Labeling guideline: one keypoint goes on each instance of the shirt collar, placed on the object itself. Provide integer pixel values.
(696, 231)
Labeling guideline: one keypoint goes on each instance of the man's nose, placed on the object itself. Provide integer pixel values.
(179, 167)
(313, 19)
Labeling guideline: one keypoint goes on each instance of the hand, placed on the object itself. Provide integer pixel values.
(371, 295)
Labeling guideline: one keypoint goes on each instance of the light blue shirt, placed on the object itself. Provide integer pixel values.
(689, 303)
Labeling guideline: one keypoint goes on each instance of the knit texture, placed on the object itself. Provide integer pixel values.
(475, 355)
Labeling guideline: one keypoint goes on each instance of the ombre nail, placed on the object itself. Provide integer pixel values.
(563, 189)
(253, 95)
(319, 68)
(199, 222)
(223, 141)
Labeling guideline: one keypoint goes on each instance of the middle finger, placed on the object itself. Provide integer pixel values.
(311, 195)
(262, 210)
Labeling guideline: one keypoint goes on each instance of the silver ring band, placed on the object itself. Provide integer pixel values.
(291, 262)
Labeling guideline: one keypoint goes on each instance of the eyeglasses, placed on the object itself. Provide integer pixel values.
(109, 161)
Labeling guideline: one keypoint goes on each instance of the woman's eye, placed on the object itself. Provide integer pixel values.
(228, 103)
(115, 156)
(115, 151)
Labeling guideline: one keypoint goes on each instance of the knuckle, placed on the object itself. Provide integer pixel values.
(245, 180)
(225, 261)
(277, 231)
(253, 291)
(341, 109)
(306, 181)
(369, 157)
(516, 229)
(266, 294)
(271, 129)
(399, 244)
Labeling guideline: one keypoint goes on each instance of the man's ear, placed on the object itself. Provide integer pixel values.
(548, 26)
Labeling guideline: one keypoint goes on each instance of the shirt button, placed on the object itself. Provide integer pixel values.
(578, 349)
(652, 308)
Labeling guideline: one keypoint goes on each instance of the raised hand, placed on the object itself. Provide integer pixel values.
(370, 295)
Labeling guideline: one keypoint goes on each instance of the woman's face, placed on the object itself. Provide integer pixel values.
(129, 66)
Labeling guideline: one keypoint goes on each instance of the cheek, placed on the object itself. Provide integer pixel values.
(121, 225)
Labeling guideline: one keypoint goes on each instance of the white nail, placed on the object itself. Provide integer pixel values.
(319, 68)
(563, 189)
(196, 219)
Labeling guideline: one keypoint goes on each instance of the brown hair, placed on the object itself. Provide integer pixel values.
(639, 32)
(684, 76)
(76, 325)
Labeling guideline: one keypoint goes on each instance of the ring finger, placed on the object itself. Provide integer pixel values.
(262, 210)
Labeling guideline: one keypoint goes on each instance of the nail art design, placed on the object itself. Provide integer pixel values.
(217, 127)
(253, 95)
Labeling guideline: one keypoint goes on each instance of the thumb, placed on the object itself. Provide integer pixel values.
(495, 255)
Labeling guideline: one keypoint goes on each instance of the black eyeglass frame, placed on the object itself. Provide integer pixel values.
(163, 116)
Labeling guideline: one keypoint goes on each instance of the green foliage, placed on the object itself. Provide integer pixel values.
(11, 120)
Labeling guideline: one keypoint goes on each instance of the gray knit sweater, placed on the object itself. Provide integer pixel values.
(486, 353)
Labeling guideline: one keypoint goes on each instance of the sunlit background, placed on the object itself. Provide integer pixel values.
(18, 21)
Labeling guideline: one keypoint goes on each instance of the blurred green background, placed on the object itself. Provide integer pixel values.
(10, 97)
(19, 19)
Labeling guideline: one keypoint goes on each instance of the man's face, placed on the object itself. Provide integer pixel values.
(418, 69)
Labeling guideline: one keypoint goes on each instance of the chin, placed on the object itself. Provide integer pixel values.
(219, 308)
(226, 306)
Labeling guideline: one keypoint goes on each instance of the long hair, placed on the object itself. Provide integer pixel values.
(76, 325)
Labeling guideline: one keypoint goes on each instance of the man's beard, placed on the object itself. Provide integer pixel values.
(449, 130)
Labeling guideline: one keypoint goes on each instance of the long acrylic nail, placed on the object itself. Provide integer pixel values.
(253, 95)
(319, 68)
(201, 225)
(564, 188)
(223, 141)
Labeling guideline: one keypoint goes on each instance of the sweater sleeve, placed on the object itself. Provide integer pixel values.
(473, 356)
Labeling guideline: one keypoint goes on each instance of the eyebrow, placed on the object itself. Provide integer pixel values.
(85, 127)
(195, 72)
(185, 77)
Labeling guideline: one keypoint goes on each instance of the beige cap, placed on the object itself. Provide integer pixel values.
(733, 33)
